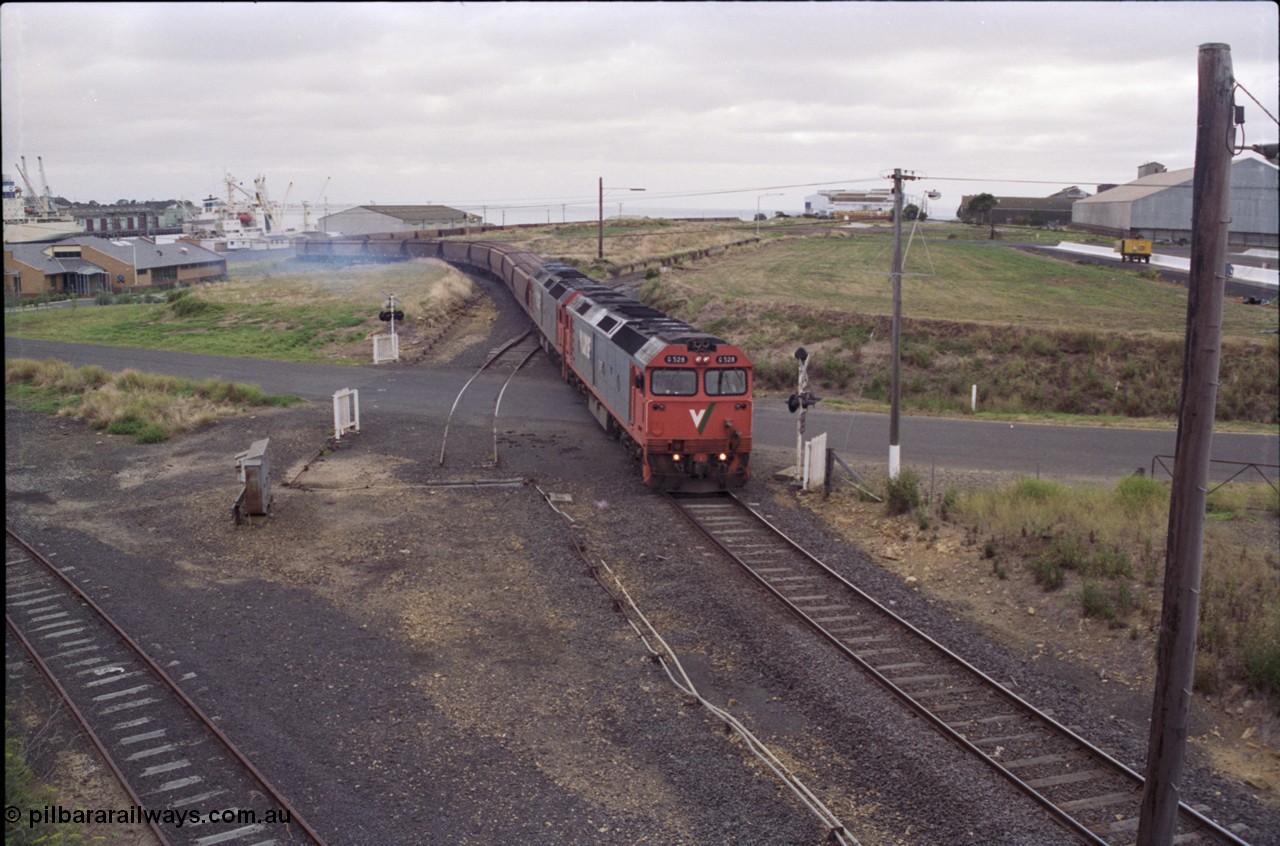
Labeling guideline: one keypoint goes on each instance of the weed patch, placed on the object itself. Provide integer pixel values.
(151, 408)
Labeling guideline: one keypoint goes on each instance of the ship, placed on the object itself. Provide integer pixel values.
(36, 223)
(241, 221)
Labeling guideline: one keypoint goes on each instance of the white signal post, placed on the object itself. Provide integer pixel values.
(391, 305)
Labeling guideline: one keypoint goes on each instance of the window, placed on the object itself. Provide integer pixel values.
(730, 381)
(674, 383)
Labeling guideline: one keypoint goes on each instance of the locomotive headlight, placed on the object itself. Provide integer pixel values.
(675, 456)
(724, 456)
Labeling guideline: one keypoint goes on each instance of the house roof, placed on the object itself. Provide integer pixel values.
(127, 250)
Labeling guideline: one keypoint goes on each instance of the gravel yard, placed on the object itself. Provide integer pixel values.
(413, 663)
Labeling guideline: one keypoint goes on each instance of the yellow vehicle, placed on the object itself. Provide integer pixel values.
(1134, 249)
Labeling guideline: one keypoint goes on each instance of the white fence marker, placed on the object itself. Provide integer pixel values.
(346, 412)
(386, 348)
(815, 463)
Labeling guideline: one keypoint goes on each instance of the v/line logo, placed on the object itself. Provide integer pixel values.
(701, 416)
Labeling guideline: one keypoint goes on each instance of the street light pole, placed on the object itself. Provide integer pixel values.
(758, 199)
(600, 220)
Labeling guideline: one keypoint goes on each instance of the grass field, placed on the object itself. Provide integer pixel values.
(950, 280)
(1038, 335)
(320, 313)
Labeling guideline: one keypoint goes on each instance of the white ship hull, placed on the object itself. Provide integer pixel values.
(39, 231)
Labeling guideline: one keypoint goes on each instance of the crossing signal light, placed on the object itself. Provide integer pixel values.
(795, 402)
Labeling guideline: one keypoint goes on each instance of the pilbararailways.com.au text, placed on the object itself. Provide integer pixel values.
(138, 815)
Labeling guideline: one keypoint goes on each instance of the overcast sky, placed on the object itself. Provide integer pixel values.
(707, 105)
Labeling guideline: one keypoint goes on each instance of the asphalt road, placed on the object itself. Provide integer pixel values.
(861, 439)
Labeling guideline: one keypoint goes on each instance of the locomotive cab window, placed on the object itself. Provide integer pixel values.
(667, 382)
(726, 382)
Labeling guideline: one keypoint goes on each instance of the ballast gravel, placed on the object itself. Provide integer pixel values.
(418, 663)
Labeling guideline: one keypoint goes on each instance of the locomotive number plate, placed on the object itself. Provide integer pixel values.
(677, 359)
(726, 359)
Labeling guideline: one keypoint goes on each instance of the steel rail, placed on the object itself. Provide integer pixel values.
(498, 353)
(988, 683)
(164, 678)
(47, 672)
(498, 403)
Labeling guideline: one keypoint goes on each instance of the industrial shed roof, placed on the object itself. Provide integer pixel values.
(413, 214)
(1140, 188)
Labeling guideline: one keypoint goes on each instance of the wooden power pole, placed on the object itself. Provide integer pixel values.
(1175, 655)
(895, 388)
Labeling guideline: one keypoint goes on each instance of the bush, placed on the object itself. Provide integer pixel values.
(126, 424)
(183, 306)
(1094, 601)
(1039, 345)
(902, 495)
(151, 433)
(1036, 490)
(1261, 658)
(1047, 571)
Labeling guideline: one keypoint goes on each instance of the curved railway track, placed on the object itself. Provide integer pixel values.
(178, 768)
(1086, 790)
(508, 358)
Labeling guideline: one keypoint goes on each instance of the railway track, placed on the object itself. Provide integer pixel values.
(1081, 786)
(508, 357)
(188, 782)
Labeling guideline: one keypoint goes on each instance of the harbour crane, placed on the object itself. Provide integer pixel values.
(40, 201)
(47, 205)
(306, 206)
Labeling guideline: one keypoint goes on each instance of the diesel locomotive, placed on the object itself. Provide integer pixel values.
(678, 398)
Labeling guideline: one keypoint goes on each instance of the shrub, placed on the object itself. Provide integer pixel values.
(1047, 572)
(151, 433)
(126, 424)
(194, 307)
(1261, 659)
(1036, 490)
(1039, 345)
(1094, 601)
(902, 495)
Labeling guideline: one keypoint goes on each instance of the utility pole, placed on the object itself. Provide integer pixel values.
(895, 389)
(600, 217)
(802, 388)
(1175, 655)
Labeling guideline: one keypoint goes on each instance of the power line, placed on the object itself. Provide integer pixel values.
(1016, 181)
(535, 202)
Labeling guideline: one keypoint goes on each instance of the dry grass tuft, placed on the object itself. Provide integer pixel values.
(147, 406)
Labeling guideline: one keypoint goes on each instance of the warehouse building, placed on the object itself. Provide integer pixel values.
(1157, 205)
(367, 220)
(1053, 210)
